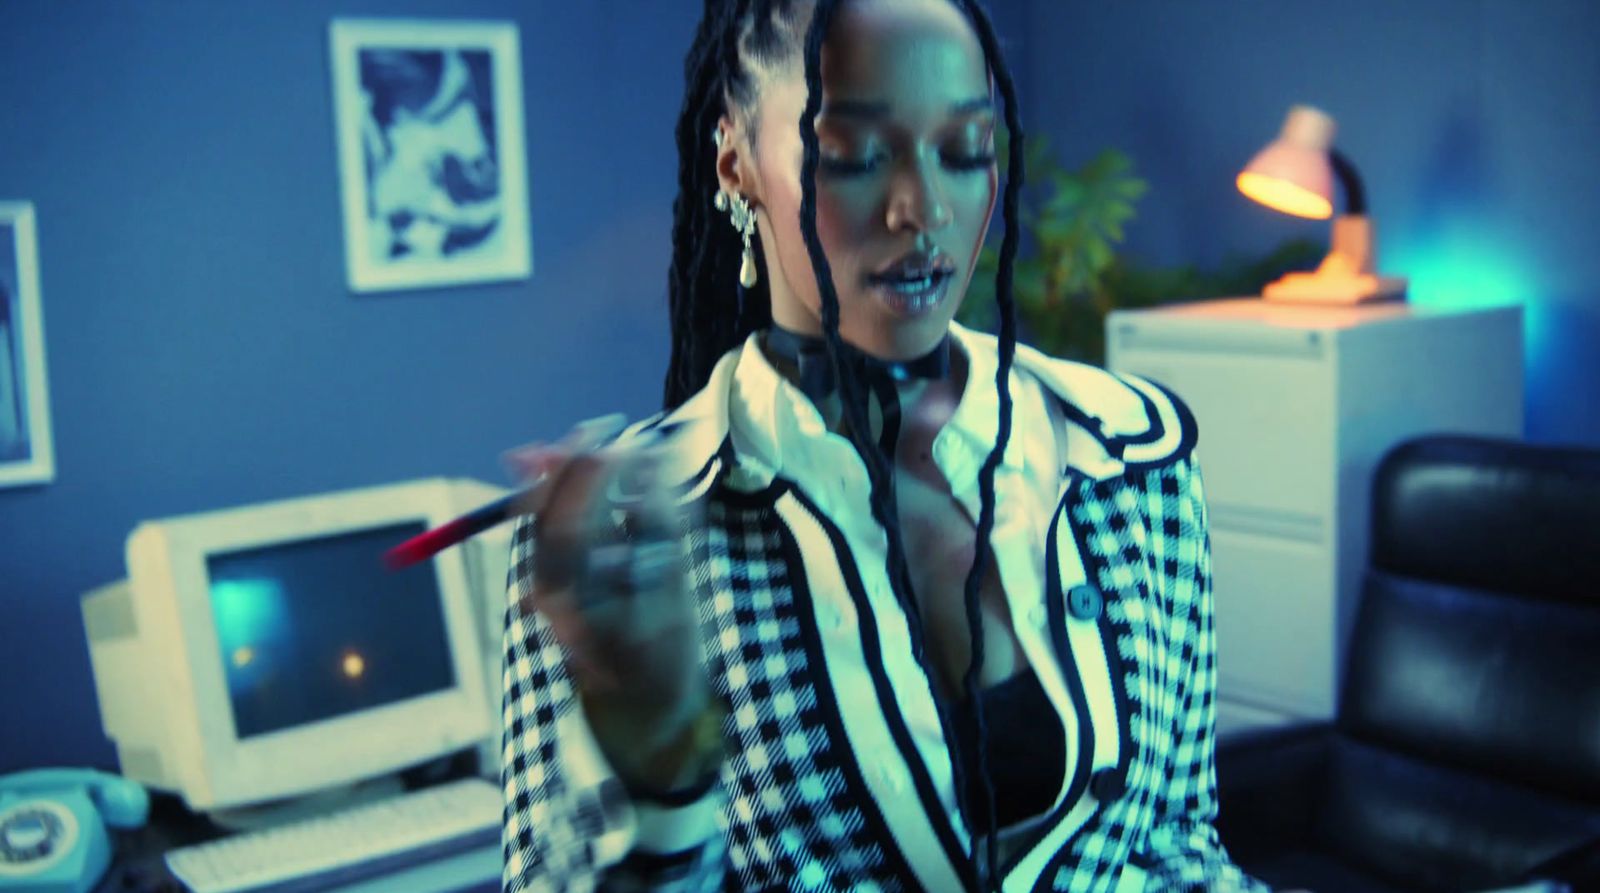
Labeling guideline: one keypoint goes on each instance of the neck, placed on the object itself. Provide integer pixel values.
(806, 358)
(932, 381)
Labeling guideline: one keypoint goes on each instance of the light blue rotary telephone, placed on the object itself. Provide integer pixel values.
(53, 827)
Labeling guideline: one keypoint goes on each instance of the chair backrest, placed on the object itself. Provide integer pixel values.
(1477, 642)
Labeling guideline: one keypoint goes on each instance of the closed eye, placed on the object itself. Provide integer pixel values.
(845, 167)
(969, 163)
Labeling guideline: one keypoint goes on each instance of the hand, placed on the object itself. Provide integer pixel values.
(609, 577)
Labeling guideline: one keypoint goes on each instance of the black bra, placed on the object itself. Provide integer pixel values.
(1027, 753)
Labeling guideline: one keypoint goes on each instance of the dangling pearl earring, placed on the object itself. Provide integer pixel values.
(744, 220)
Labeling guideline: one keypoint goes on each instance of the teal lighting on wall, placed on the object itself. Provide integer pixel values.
(1469, 267)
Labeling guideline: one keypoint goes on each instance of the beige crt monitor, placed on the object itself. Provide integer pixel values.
(265, 652)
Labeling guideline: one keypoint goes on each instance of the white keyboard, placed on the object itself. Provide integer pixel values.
(348, 845)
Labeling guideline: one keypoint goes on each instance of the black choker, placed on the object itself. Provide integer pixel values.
(809, 356)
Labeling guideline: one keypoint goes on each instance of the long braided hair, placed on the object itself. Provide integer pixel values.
(711, 316)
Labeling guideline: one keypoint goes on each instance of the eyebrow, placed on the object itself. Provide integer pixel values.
(877, 111)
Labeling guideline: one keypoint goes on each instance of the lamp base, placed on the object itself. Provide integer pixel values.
(1321, 288)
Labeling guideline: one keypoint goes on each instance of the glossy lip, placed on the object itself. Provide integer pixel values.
(913, 265)
(915, 305)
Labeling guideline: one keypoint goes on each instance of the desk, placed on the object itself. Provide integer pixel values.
(138, 867)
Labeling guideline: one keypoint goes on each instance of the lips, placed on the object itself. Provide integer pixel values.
(914, 283)
(911, 267)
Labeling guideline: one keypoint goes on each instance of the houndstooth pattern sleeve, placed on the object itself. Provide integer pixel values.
(1183, 841)
(569, 824)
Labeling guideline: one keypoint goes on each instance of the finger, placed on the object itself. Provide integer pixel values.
(643, 640)
(538, 462)
(627, 506)
(532, 461)
(626, 572)
(609, 640)
(600, 536)
(578, 639)
(559, 498)
(590, 433)
(634, 546)
(606, 530)
(606, 526)
(535, 468)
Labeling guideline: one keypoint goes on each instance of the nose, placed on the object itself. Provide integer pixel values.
(917, 200)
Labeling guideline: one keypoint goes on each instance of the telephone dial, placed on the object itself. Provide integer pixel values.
(53, 823)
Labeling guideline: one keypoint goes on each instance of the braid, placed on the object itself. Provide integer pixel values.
(853, 399)
(710, 315)
(705, 313)
(1007, 347)
(880, 472)
(852, 392)
(690, 222)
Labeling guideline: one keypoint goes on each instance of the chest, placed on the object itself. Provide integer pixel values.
(940, 540)
(848, 701)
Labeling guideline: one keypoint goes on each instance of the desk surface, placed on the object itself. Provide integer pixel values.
(139, 866)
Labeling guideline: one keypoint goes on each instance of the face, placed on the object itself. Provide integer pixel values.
(906, 181)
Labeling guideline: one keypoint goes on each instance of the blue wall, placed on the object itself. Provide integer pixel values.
(204, 352)
(202, 348)
(1473, 123)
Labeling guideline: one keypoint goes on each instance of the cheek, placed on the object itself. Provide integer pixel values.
(974, 198)
(846, 222)
(788, 260)
(783, 214)
(972, 203)
(844, 225)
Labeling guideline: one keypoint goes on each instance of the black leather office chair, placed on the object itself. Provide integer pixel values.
(1466, 750)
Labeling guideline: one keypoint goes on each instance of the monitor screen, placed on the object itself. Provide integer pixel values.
(320, 628)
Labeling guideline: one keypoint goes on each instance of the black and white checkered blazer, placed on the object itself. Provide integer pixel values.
(839, 775)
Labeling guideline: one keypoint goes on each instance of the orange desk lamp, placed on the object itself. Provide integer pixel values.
(1294, 174)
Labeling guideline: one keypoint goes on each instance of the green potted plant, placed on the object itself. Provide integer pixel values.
(1068, 275)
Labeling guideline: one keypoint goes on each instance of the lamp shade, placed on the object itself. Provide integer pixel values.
(1293, 174)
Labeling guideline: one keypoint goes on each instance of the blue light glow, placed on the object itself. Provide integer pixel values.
(1466, 267)
(251, 616)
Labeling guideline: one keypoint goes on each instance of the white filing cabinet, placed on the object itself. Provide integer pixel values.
(1296, 404)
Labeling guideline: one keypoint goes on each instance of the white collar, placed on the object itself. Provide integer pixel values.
(1113, 421)
(775, 426)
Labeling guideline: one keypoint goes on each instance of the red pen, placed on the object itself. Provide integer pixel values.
(429, 543)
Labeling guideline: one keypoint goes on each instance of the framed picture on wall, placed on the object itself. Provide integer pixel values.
(26, 453)
(432, 168)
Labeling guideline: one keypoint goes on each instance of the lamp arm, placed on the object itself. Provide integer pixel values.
(1355, 195)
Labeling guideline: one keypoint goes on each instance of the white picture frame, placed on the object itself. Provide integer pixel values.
(27, 452)
(432, 166)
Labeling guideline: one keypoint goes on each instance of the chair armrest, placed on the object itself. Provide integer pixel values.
(1269, 785)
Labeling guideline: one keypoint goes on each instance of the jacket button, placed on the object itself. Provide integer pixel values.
(1084, 602)
(1107, 784)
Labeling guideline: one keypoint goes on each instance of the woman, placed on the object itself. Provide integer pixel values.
(834, 688)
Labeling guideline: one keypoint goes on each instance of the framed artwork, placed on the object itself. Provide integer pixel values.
(26, 453)
(432, 168)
